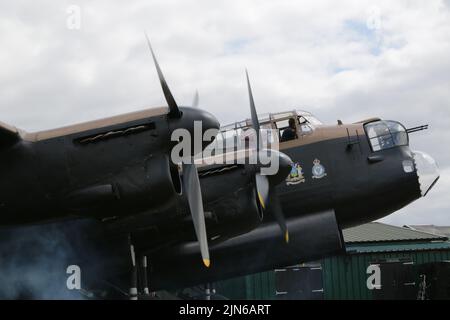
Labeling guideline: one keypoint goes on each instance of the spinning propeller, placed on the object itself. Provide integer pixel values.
(195, 100)
(265, 186)
(267, 194)
(191, 183)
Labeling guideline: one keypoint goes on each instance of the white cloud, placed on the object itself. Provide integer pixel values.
(313, 54)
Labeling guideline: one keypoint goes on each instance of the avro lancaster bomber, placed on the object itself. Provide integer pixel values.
(117, 176)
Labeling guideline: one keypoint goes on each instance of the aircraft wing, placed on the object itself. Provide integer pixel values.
(9, 135)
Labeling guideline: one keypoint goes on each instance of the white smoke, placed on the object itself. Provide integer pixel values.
(33, 262)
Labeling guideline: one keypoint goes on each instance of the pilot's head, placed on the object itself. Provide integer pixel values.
(292, 123)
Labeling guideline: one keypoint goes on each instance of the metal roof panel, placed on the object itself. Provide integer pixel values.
(399, 247)
(380, 232)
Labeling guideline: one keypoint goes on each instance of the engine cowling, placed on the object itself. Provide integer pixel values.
(232, 209)
(153, 182)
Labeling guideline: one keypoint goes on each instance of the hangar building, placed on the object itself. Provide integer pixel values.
(412, 264)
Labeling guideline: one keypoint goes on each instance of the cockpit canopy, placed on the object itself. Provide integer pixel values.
(386, 134)
(268, 118)
(232, 135)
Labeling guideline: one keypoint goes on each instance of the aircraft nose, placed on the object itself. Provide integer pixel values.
(427, 171)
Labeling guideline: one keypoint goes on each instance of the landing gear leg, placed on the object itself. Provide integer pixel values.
(145, 271)
(133, 292)
(208, 291)
(144, 275)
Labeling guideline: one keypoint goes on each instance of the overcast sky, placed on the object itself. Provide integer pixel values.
(344, 60)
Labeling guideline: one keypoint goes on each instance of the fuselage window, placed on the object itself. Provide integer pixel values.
(386, 134)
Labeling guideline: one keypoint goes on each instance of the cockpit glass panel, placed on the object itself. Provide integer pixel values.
(386, 134)
(309, 117)
(282, 124)
(306, 127)
(302, 120)
(313, 120)
(306, 124)
(398, 132)
(282, 115)
(242, 138)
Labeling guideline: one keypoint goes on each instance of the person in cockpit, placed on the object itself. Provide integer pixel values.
(290, 133)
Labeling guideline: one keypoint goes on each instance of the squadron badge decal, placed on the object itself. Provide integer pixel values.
(318, 170)
(296, 175)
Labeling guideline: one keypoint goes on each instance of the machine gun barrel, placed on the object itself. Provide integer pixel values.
(415, 129)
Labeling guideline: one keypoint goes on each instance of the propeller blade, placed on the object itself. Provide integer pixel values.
(196, 100)
(254, 115)
(174, 112)
(262, 187)
(275, 207)
(266, 193)
(193, 192)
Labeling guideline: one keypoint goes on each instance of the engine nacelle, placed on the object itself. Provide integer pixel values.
(151, 183)
(232, 209)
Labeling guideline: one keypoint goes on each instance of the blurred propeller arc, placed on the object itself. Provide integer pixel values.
(191, 183)
(267, 194)
(196, 100)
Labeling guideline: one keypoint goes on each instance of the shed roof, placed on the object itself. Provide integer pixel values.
(381, 232)
(398, 247)
(431, 228)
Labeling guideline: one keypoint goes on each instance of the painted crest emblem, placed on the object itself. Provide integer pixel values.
(296, 175)
(318, 170)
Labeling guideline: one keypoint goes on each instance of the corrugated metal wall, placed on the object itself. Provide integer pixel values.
(259, 286)
(345, 277)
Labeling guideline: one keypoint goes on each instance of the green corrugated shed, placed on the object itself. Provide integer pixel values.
(344, 277)
(259, 286)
